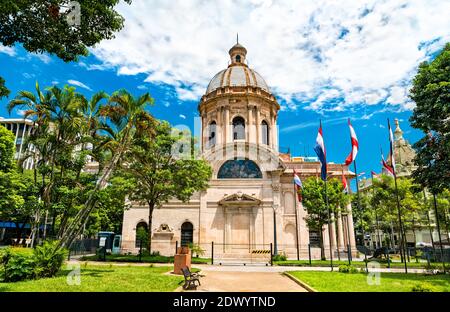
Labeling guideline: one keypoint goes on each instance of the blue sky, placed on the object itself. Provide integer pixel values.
(322, 60)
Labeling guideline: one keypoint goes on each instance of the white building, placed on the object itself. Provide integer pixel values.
(250, 202)
(21, 128)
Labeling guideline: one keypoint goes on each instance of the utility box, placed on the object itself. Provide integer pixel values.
(181, 260)
(116, 244)
(105, 240)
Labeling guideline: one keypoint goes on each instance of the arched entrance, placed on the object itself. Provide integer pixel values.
(141, 234)
(187, 234)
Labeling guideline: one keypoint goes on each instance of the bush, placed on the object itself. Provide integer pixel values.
(197, 250)
(44, 261)
(422, 288)
(279, 257)
(16, 266)
(345, 268)
(49, 259)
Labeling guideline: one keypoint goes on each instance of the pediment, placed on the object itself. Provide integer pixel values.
(239, 199)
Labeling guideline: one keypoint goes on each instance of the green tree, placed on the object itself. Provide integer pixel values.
(42, 25)
(431, 93)
(123, 117)
(314, 201)
(6, 149)
(18, 197)
(161, 174)
(4, 91)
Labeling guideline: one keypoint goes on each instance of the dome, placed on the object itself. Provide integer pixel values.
(237, 74)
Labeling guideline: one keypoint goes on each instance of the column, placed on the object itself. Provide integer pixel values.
(250, 126)
(226, 122)
(333, 232)
(23, 139)
(272, 131)
(351, 228)
(204, 129)
(258, 126)
(219, 126)
(340, 232)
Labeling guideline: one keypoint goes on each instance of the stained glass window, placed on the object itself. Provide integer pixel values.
(239, 169)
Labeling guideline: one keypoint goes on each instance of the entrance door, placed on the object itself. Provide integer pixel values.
(187, 234)
(240, 232)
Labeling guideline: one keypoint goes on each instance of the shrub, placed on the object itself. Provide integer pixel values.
(279, 257)
(197, 250)
(49, 258)
(422, 288)
(16, 266)
(345, 268)
(155, 254)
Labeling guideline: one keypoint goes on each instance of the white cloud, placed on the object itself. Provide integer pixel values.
(182, 116)
(21, 112)
(7, 50)
(79, 84)
(43, 57)
(332, 54)
(142, 87)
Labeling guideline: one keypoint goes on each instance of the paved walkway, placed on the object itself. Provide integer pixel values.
(247, 282)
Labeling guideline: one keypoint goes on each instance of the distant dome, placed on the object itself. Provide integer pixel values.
(237, 74)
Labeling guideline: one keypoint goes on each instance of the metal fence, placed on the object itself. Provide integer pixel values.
(245, 254)
(86, 246)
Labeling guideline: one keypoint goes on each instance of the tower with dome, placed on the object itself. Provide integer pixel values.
(250, 203)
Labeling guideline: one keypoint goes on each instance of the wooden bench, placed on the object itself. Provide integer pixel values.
(190, 278)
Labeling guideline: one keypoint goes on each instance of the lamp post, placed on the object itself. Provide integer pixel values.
(275, 245)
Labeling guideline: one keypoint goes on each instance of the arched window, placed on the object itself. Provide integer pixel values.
(238, 128)
(239, 169)
(187, 234)
(141, 234)
(265, 132)
(212, 134)
(238, 58)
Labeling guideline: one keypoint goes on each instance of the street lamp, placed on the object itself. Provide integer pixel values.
(275, 247)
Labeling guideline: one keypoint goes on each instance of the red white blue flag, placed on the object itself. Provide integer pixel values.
(352, 156)
(321, 153)
(344, 183)
(391, 145)
(388, 168)
(298, 185)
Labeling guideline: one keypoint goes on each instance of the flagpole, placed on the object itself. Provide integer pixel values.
(349, 245)
(296, 220)
(390, 212)
(398, 200)
(376, 214)
(329, 223)
(360, 210)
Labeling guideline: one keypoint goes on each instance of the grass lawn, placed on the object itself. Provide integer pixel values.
(104, 278)
(359, 264)
(389, 282)
(149, 259)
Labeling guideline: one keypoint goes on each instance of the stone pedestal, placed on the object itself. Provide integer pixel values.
(181, 260)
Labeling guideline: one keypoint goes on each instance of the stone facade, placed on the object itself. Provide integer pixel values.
(251, 198)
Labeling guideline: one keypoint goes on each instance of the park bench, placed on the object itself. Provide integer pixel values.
(190, 278)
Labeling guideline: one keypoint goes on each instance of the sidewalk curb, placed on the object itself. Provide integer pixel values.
(301, 283)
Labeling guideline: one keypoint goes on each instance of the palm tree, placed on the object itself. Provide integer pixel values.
(122, 117)
(37, 109)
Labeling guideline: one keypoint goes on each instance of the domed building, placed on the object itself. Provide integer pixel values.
(250, 206)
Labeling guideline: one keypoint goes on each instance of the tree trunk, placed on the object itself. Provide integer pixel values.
(75, 227)
(322, 247)
(151, 206)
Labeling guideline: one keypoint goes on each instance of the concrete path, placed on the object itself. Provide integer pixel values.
(247, 282)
